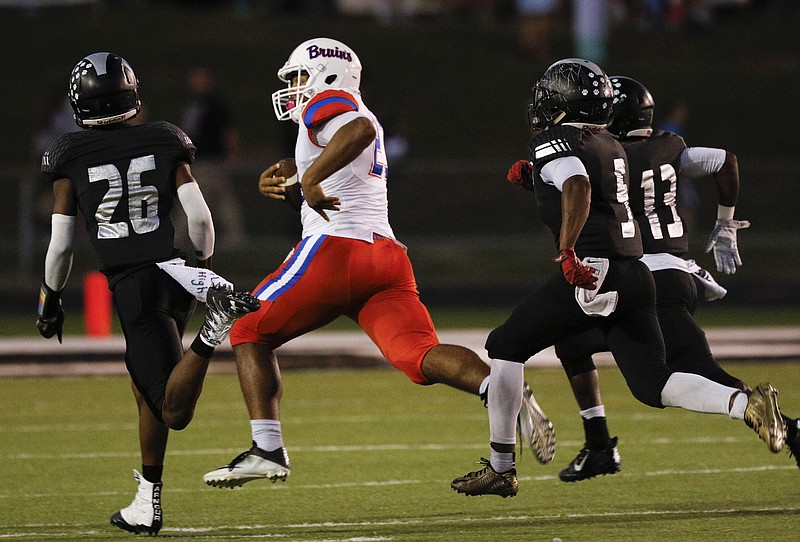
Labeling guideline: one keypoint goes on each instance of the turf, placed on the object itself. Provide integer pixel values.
(372, 458)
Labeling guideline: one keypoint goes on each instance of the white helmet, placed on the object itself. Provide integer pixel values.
(329, 64)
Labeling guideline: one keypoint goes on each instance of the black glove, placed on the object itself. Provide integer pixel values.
(50, 316)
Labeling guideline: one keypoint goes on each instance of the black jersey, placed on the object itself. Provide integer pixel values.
(610, 230)
(654, 163)
(124, 179)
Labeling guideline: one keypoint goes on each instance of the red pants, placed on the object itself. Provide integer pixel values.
(326, 277)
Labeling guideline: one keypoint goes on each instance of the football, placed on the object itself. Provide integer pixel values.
(294, 196)
(287, 169)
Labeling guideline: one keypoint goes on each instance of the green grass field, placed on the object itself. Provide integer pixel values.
(372, 457)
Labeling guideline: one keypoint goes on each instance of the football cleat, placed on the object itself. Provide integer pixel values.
(764, 416)
(254, 464)
(487, 481)
(144, 515)
(590, 463)
(223, 308)
(535, 429)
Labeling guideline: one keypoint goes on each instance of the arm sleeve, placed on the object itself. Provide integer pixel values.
(198, 218)
(701, 161)
(559, 170)
(58, 261)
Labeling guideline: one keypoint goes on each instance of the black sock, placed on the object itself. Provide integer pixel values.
(596, 432)
(202, 349)
(152, 473)
(791, 427)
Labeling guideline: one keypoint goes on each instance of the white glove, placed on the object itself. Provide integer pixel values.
(723, 241)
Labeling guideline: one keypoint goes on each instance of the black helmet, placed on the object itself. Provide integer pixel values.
(571, 90)
(632, 108)
(103, 90)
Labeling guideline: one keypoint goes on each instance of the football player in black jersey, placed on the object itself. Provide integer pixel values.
(579, 174)
(124, 179)
(659, 162)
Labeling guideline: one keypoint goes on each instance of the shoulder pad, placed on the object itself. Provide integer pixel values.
(556, 142)
(326, 105)
(179, 134)
(667, 135)
(55, 153)
(174, 136)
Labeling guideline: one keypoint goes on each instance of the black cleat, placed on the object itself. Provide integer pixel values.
(223, 308)
(590, 463)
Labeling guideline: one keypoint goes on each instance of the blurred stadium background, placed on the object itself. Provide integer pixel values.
(448, 77)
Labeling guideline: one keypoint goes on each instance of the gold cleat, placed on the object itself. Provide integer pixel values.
(487, 481)
(764, 416)
(535, 429)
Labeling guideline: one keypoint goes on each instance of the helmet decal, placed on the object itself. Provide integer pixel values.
(632, 107)
(314, 51)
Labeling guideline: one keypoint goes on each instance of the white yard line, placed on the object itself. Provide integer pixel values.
(711, 441)
(505, 520)
(393, 483)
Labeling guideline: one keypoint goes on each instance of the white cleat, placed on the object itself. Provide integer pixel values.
(144, 515)
(254, 464)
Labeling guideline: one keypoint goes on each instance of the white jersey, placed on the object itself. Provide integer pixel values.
(360, 185)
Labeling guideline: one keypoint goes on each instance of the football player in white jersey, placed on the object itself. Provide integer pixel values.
(347, 263)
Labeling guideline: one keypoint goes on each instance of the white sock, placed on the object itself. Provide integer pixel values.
(739, 406)
(502, 461)
(505, 400)
(598, 411)
(267, 434)
(697, 393)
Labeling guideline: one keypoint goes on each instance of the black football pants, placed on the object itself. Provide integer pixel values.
(687, 349)
(551, 314)
(153, 310)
